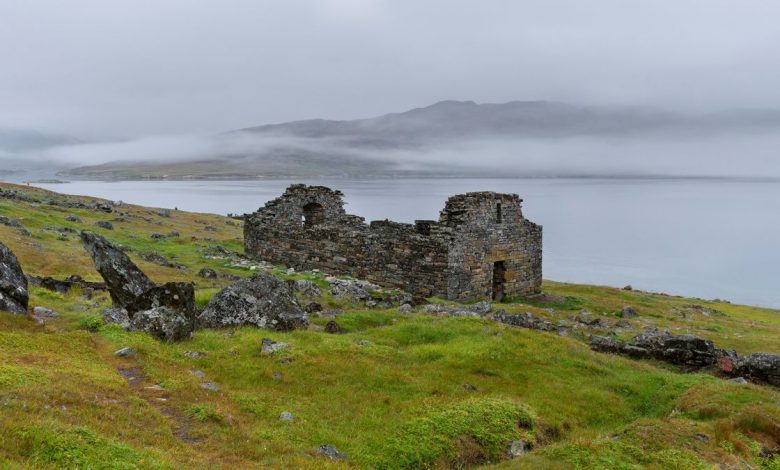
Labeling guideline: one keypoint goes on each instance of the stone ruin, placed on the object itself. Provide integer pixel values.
(480, 248)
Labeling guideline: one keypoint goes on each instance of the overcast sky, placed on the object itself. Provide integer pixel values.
(128, 68)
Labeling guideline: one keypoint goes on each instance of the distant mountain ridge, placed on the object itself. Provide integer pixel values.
(365, 147)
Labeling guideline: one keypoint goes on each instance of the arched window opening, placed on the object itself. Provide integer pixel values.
(313, 214)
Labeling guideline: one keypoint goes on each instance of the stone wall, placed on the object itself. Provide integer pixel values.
(307, 227)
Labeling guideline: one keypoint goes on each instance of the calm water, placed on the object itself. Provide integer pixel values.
(711, 239)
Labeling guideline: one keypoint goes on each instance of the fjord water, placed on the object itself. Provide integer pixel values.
(703, 238)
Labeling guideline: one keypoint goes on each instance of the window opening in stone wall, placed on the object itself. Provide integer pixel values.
(313, 214)
(499, 279)
(498, 213)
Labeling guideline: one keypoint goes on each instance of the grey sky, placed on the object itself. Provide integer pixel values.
(126, 68)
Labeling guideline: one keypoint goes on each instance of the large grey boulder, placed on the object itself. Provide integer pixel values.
(164, 323)
(262, 300)
(167, 311)
(13, 283)
(124, 280)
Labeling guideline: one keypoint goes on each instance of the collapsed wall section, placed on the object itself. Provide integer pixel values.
(307, 228)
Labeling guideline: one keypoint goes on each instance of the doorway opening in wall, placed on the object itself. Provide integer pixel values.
(499, 279)
(313, 214)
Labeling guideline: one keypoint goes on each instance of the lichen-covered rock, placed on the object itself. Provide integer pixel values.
(104, 224)
(685, 350)
(307, 288)
(525, 320)
(207, 273)
(262, 300)
(164, 323)
(118, 316)
(628, 312)
(13, 283)
(176, 295)
(758, 367)
(124, 280)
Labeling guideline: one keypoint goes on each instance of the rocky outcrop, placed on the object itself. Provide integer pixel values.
(684, 350)
(13, 283)
(758, 367)
(166, 311)
(262, 300)
(124, 280)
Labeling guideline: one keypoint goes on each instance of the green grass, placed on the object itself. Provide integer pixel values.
(394, 391)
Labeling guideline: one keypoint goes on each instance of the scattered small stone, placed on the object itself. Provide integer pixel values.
(738, 380)
(156, 387)
(269, 346)
(363, 342)
(124, 352)
(312, 307)
(44, 312)
(194, 354)
(405, 308)
(104, 224)
(469, 387)
(701, 437)
(628, 287)
(210, 386)
(333, 328)
(198, 373)
(330, 451)
(518, 448)
(286, 416)
(73, 218)
(276, 375)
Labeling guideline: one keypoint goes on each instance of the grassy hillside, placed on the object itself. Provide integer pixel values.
(395, 391)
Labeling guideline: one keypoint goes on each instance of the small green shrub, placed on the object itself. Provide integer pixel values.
(202, 412)
(91, 322)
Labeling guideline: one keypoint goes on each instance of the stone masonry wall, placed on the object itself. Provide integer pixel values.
(307, 227)
(481, 237)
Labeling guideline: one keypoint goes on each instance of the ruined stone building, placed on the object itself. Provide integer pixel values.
(480, 248)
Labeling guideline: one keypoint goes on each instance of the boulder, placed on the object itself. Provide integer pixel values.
(118, 316)
(13, 283)
(262, 300)
(125, 282)
(207, 273)
(104, 224)
(757, 367)
(628, 312)
(164, 323)
(333, 327)
(178, 296)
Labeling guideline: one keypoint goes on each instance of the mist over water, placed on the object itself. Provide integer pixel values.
(704, 238)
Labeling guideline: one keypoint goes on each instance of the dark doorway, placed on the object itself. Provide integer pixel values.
(313, 214)
(499, 279)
